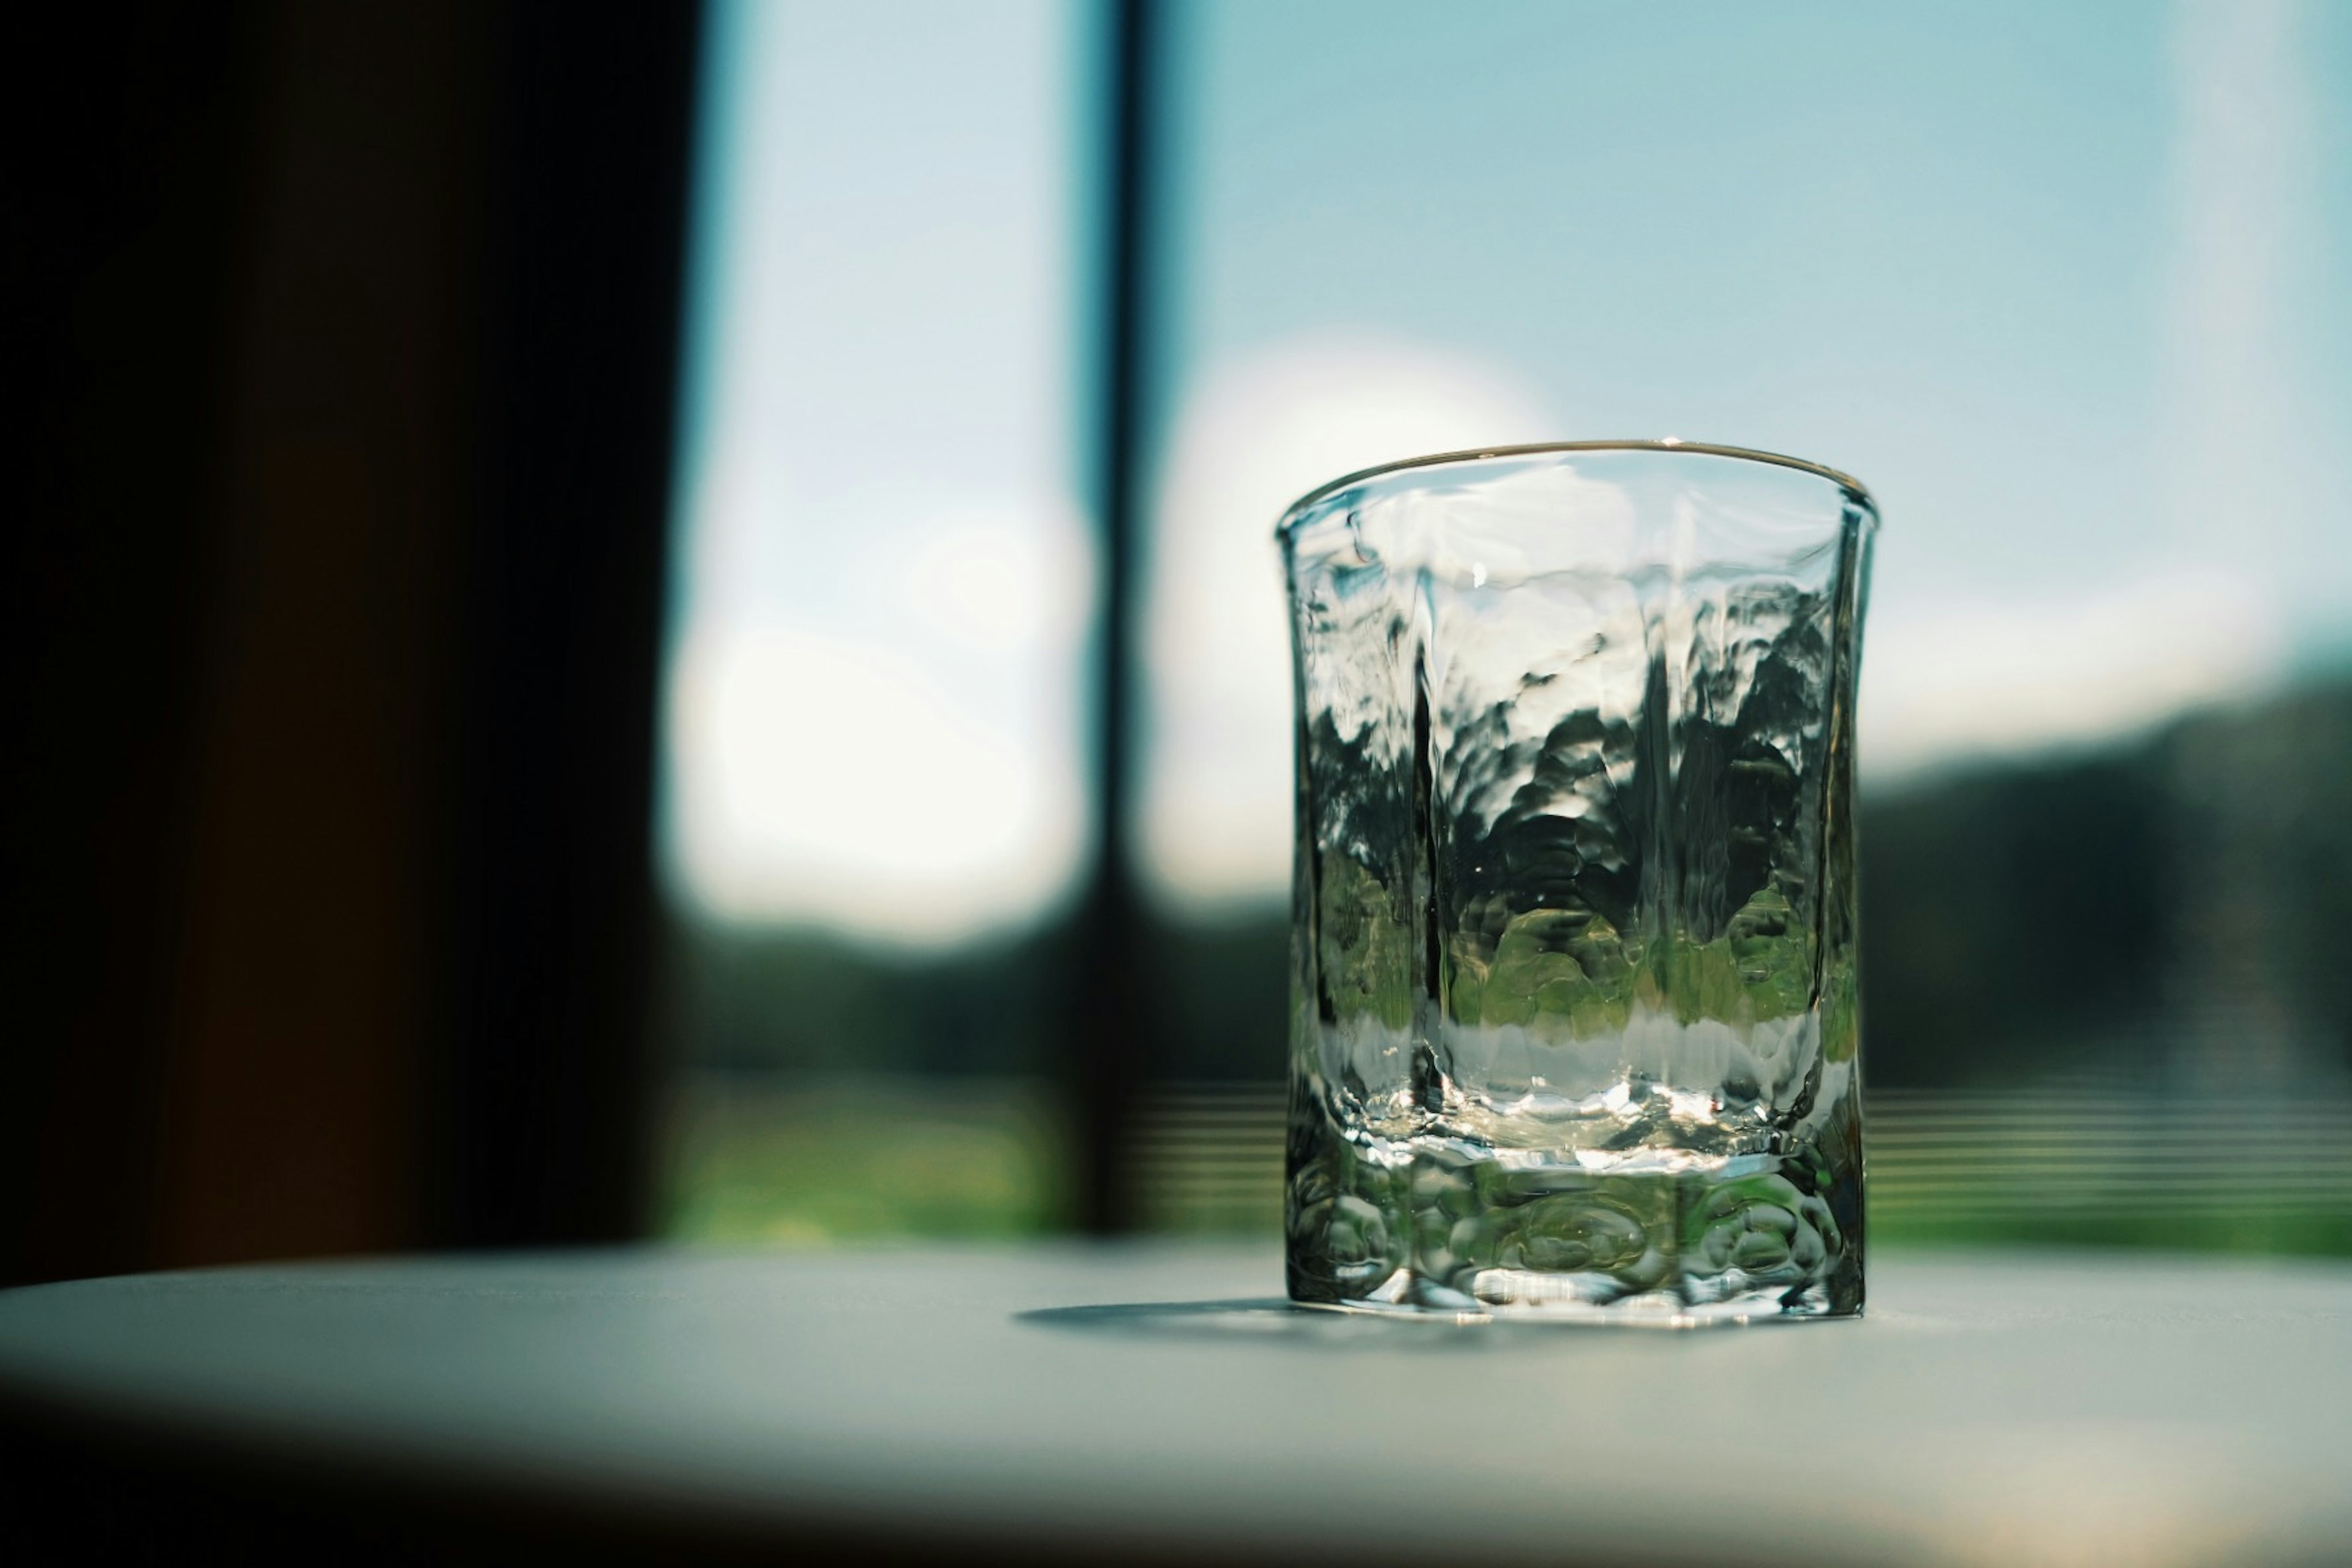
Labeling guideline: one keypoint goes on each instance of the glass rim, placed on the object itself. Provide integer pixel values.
(1292, 513)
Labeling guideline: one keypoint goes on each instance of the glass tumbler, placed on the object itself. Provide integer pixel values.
(1573, 1009)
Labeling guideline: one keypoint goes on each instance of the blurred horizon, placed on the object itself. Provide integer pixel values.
(2101, 1003)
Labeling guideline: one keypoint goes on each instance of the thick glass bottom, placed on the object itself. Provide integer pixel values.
(1448, 1228)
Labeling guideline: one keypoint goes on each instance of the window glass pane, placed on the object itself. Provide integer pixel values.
(873, 687)
(2067, 285)
(873, 792)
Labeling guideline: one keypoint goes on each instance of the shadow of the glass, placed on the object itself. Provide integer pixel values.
(1268, 1318)
(1274, 1320)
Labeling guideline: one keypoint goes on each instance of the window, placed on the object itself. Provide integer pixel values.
(873, 790)
(2066, 285)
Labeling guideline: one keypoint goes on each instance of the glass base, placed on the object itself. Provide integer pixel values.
(1553, 1298)
(1445, 1228)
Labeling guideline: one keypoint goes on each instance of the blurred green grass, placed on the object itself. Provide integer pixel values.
(758, 1158)
(843, 1159)
(2287, 1231)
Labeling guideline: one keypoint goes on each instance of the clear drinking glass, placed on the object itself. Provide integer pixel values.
(1573, 1010)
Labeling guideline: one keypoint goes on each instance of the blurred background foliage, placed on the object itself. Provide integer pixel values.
(2105, 999)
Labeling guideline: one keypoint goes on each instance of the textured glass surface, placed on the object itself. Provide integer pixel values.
(1573, 1023)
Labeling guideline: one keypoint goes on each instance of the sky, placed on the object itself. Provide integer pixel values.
(2065, 285)
(874, 671)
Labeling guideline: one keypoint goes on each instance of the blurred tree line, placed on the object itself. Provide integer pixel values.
(2170, 913)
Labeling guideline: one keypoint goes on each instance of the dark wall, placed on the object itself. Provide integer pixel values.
(343, 343)
(124, 199)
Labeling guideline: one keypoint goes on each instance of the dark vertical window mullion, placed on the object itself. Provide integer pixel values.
(1110, 1023)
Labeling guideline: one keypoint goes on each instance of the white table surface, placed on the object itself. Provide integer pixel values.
(2010, 1408)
